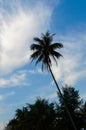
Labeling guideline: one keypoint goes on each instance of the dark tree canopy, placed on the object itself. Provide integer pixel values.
(71, 97)
(73, 102)
(37, 116)
(43, 115)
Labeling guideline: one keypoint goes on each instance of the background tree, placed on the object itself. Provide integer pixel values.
(73, 102)
(21, 116)
(42, 115)
(37, 116)
(83, 114)
(12, 125)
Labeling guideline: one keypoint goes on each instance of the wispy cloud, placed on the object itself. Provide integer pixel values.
(52, 96)
(72, 67)
(3, 96)
(17, 79)
(2, 125)
(17, 30)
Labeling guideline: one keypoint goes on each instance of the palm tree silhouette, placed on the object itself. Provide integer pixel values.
(43, 51)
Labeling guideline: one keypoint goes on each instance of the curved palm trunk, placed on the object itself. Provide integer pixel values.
(70, 117)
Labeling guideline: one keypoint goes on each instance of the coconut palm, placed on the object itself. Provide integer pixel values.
(43, 51)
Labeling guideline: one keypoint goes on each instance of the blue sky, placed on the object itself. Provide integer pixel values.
(20, 81)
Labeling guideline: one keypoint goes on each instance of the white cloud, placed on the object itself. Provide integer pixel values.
(51, 96)
(2, 125)
(17, 32)
(73, 66)
(1, 97)
(17, 79)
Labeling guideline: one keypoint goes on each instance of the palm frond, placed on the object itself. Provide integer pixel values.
(38, 40)
(56, 45)
(55, 59)
(35, 47)
(47, 62)
(56, 54)
(47, 34)
(35, 55)
(47, 37)
(39, 59)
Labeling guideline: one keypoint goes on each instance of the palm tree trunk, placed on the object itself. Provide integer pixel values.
(70, 117)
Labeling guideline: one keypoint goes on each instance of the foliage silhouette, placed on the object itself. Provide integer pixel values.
(73, 102)
(43, 115)
(37, 116)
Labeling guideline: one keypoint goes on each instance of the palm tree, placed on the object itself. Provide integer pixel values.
(44, 50)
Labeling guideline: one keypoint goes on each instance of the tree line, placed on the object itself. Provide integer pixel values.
(45, 115)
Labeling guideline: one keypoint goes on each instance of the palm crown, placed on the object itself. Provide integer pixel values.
(45, 49)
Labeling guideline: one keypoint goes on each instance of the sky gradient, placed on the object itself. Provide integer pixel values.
(20, 80)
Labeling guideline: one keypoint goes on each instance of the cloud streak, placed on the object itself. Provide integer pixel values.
(3, 96)
(17, 32)
(71, 68)
(18, 79)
